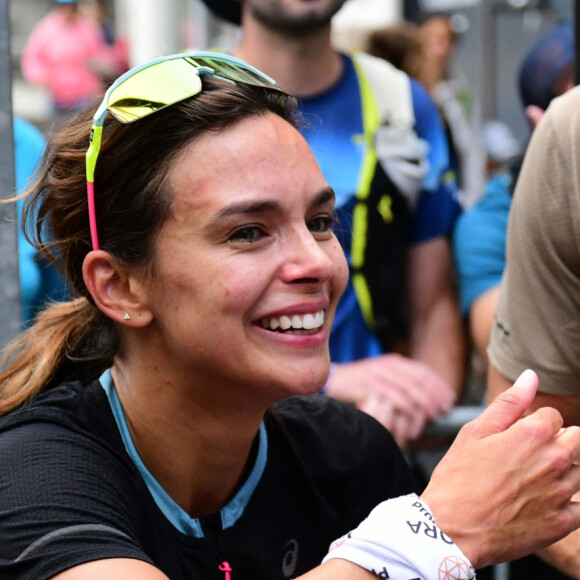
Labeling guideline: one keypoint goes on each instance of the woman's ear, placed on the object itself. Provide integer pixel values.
(116, 289)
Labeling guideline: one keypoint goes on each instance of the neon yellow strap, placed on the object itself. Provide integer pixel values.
(93, 151)
(371, 120)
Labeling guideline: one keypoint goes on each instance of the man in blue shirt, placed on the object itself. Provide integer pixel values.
(290, 41)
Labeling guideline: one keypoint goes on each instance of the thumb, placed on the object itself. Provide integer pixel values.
(510, 405)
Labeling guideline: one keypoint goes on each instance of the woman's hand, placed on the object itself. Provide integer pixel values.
(504, 489)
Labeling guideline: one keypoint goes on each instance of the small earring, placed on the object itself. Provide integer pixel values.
(126, 316)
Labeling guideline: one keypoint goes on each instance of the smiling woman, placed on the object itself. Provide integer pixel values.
(160, 425)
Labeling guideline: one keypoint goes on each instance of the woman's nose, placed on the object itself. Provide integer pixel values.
(309, 260)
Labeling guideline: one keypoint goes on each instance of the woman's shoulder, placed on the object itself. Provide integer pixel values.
(71, 411)
(66, 434)
(69, 495)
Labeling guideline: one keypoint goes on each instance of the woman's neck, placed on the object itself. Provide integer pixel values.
(199, 453)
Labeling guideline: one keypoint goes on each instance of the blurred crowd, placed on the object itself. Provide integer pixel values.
(407, 355)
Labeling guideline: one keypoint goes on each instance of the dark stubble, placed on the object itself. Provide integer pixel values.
(280, 16)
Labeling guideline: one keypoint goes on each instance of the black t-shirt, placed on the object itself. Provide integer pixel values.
(70, 493)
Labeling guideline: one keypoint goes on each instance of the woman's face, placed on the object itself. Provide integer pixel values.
(248, 251)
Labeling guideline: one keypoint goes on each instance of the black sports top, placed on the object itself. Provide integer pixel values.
(70, 493)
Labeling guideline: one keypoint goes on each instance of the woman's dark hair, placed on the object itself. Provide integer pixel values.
(74, 340)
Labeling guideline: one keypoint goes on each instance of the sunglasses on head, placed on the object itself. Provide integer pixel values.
(157, 84)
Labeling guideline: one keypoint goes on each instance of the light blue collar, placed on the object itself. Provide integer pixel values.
(180, 519)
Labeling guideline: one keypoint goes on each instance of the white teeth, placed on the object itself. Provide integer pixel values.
(297, 322)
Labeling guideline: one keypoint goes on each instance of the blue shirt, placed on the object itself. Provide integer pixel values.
(479, 241)
(335, 135)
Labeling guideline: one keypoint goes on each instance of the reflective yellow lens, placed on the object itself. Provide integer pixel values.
(154, 88)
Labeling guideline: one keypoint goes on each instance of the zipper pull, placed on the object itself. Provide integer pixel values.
(225, 567)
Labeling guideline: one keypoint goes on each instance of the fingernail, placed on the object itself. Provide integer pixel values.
(526, 378)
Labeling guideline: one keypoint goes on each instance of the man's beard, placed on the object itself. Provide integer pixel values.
(273, 14)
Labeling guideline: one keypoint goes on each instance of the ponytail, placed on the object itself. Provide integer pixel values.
(65, 342)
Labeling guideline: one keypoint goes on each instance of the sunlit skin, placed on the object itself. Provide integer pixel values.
(244, 243)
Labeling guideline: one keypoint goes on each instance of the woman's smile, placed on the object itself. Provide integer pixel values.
(296, 323)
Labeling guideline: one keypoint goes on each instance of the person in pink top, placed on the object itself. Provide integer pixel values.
(68, 54)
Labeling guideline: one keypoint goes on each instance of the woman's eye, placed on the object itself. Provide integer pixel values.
(247, 234)
(321, 224)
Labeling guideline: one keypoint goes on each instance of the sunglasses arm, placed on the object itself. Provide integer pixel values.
(91, 162)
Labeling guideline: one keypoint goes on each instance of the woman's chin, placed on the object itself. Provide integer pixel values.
(309, 384)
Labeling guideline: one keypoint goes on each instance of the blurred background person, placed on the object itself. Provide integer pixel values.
(69, 55)
(98, 11)
(457, 103)
(547, 71)
(399, 44)
(536, 321)
(479, 238)
(534, 317)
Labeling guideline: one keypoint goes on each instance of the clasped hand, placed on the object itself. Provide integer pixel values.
(401, 393)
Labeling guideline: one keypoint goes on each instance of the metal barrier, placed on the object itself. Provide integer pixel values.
(448, 425)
